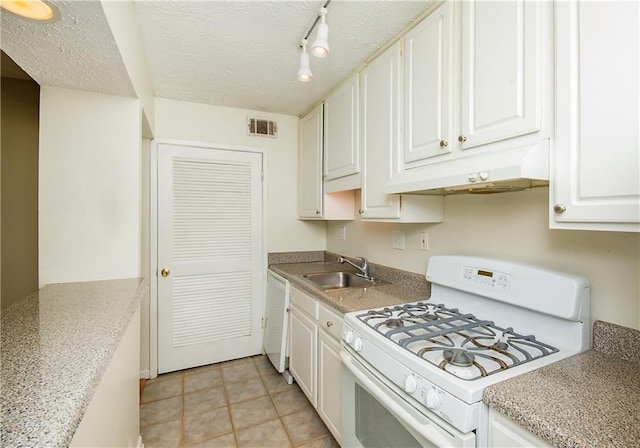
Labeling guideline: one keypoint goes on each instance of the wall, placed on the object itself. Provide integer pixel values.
(20, 100)
(511, 226)
(89, 192)
(204, 123)
(124, 27)
(144, 252)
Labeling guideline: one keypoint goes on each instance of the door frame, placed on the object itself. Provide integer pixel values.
(153, 230)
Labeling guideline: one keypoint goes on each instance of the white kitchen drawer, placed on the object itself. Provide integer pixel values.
(304, 303)
(330, 321)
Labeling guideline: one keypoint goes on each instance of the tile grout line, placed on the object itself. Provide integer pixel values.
(270, 395)
(262, 373)
(226, 399)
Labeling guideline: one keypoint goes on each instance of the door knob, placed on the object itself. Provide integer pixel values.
(165, 272)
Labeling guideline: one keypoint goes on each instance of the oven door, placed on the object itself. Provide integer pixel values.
(375, 415)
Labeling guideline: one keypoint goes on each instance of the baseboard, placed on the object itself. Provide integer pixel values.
(145, 374)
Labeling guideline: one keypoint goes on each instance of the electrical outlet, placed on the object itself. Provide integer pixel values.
(397, 240)
(343, 233)
(424, 241)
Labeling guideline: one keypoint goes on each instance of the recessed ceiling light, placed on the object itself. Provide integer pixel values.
(37, 10)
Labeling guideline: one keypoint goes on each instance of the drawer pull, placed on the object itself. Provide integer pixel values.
(329, 323)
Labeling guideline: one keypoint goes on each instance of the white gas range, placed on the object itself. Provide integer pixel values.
(413, 374)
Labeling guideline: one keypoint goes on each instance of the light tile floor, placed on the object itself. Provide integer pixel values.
(243, 403)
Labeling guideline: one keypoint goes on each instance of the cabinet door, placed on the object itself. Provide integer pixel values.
(501, 73)
(303, 354)
(379, 88)
(504, 433)
(342, 156)
(596, 169)
(428, 84)
(330, 383)
(310, 192)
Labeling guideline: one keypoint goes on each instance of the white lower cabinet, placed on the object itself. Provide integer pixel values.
(303, 342)
(302, 358)
(504, 433)
(314, 356)
(330, 371)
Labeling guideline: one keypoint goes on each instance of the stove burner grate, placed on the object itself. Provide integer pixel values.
(458, 343)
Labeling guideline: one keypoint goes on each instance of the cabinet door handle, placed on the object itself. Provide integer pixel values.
(329, 323)
(317, 212)
(444, 143)
(559, 208)
(462, 139)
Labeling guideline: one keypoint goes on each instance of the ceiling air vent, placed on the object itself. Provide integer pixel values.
(260, 127)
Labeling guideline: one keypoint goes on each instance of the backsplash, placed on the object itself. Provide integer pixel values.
(411, 280)
(296, 257)
(616, 340)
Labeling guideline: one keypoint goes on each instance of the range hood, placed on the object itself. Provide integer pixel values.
(482, 172)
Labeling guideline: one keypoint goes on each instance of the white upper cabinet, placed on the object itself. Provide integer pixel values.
(477, 74)
(428, 87)
(501, 70)
(595, 167)
(379, 91)
(313, 203)
(379, 134)
(341, 147)
(310, 165)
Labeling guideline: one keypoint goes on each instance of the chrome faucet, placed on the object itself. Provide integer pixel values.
(364, 269)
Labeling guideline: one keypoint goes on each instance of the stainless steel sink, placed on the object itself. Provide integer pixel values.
(339, 280)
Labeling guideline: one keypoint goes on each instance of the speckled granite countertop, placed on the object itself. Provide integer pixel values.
(355, 299)
(56, 344)
(589, 400)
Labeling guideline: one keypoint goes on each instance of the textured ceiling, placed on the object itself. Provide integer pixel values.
(77, 51)
(235, 53)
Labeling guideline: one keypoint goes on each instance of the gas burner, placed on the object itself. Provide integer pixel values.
(458, 357)
(394, 322)
(401, 316)
(501, 346)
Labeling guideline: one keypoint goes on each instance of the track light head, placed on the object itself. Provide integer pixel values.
(320, 47)
(304, 72)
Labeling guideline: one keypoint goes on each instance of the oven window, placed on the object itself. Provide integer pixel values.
(378, 428)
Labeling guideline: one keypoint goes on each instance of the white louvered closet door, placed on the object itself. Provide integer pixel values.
(210, 240)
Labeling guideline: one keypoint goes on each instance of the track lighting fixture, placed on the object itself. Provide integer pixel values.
(320, 47)
(304, 72)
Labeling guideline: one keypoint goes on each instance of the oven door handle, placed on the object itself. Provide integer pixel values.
(424, 428)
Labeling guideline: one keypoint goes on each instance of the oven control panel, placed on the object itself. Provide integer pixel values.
(495, 280)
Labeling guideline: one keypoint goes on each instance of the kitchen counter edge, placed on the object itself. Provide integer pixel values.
(56, 345)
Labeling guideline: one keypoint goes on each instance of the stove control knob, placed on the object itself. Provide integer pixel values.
(357, 344)
(410, 384)
(348, 336)
(433, 401)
